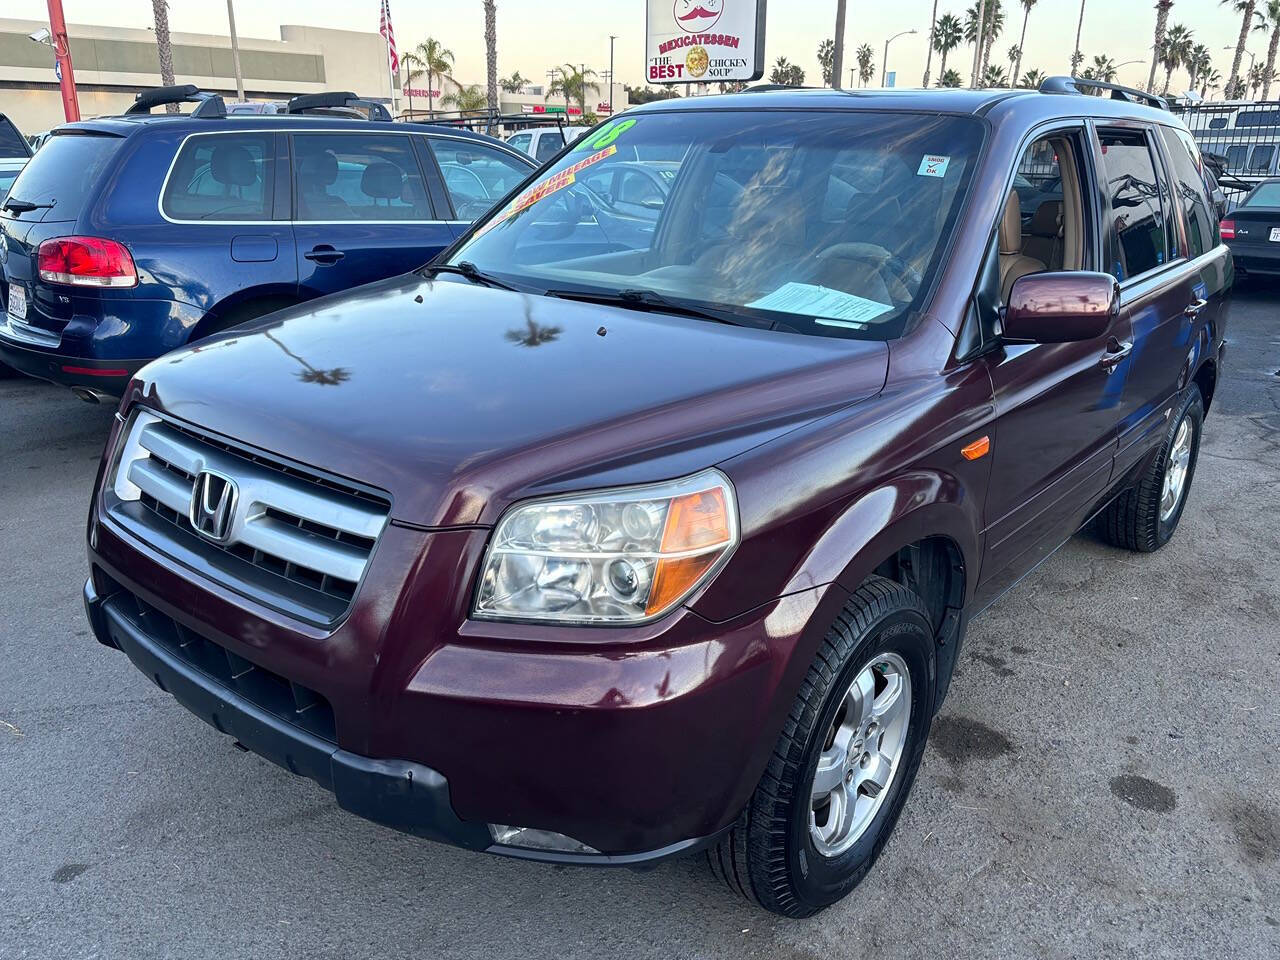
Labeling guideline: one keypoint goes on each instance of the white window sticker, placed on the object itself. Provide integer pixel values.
(833, 308)
(932, 166)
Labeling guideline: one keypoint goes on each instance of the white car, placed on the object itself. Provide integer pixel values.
(543, 143)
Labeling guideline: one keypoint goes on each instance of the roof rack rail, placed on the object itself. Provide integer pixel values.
(210, 104)
(767, 87)
(486, 120)
(1072, 85)
(338, 100)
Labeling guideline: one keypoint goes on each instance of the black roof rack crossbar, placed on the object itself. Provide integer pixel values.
(312, 102)
(1072, 85)
(210, 104)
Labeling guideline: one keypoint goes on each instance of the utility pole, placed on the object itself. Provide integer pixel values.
(853, 77)
(980, 45)
(235, 50)
(837, 57)
(62, 51)
(612, 38)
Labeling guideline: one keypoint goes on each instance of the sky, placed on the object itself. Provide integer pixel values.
(535, 35)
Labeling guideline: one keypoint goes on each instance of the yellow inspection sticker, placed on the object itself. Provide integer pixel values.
(539, 191)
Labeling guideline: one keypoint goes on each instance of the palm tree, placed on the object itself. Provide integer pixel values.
(1201, 60)
(866, 63)
(947, 35)
(433, 60)
(1257, 77)
(933, 33)
(1014, 54)
(1210, 79)
(513, 84)
(1174, 52)
(1157, 42)
(1246, 10)
(1270, 14)
(990, 22)
(1077, 57)
(1104, 69)
(1022, 39)
(572, 83)
(467, 99)
(160, 11)
(826, 60)
(994, 76)
(787, 73)
(491, 54)
(1031, 80)
(950, 78)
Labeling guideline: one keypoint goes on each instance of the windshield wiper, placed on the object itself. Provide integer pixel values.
(469, 270)
(649, 300)
(15, 205)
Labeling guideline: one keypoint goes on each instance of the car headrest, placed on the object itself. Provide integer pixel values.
(767, 214)
(318, 169)
(232, 165)
(1047, 221)
(1011, 225)
(382, 181)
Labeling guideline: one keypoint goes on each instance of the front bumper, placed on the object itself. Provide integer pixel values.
(400, 794)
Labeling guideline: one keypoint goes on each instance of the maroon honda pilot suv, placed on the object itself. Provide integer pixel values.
(649, 519)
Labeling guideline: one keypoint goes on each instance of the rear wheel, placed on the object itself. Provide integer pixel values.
(1145, 517)
(845, 761)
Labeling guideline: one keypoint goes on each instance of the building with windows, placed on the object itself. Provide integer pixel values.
(113, 63)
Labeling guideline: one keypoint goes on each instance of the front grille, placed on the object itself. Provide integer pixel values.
(282, 698)
(297, 540)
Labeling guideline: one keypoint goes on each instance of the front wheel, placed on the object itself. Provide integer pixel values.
(845, 761)
(1144, 518)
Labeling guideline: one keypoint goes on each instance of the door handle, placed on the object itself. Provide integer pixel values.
(324, 254)
(1194, 308)
(1116, 351)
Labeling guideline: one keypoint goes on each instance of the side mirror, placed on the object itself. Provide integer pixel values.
(1060, 307)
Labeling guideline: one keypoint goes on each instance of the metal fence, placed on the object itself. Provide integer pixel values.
(1244, 137)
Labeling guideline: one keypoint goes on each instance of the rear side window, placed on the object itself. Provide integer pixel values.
(1134, 191)
(63, 172)
(1188, 174)
(1260, 158)
(358, 176)
(12, 143)
(222, 177)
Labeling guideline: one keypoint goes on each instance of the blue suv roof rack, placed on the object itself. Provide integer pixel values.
(1072, 85)
(210, 104)
(338, 100)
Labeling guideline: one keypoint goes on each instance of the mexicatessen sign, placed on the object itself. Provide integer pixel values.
(704, 41)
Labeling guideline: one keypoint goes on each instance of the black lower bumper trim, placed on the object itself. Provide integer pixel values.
(110, 377)
(400, 794)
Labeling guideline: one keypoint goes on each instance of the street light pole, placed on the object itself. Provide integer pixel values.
(62, 51)
(612, 37)
(235, 50)
(884, 64)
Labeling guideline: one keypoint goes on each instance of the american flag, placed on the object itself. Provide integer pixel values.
(389, 35)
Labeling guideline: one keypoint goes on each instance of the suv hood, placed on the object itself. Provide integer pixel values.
(459, 399)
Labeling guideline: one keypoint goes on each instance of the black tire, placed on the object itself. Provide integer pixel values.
(769, 856)
(1132, 520)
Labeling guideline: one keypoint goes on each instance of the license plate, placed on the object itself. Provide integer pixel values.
(1275, 234)
(17, 301)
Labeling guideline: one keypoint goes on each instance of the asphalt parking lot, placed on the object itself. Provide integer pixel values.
(1103, 780)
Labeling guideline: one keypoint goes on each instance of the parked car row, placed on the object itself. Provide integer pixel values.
(673, 484)
(127, 237)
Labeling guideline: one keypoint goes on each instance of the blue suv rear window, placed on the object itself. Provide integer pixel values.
(64, 171)
(221, 177)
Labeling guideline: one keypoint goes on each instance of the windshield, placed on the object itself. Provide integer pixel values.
(827, 223)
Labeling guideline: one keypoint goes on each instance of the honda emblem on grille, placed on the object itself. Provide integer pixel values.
(213, 505)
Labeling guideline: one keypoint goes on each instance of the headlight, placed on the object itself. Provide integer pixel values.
(617, 556)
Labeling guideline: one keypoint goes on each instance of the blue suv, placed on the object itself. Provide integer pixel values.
(126, 237)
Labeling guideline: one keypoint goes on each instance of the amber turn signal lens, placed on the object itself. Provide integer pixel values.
(695, 521)
(976, 450)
